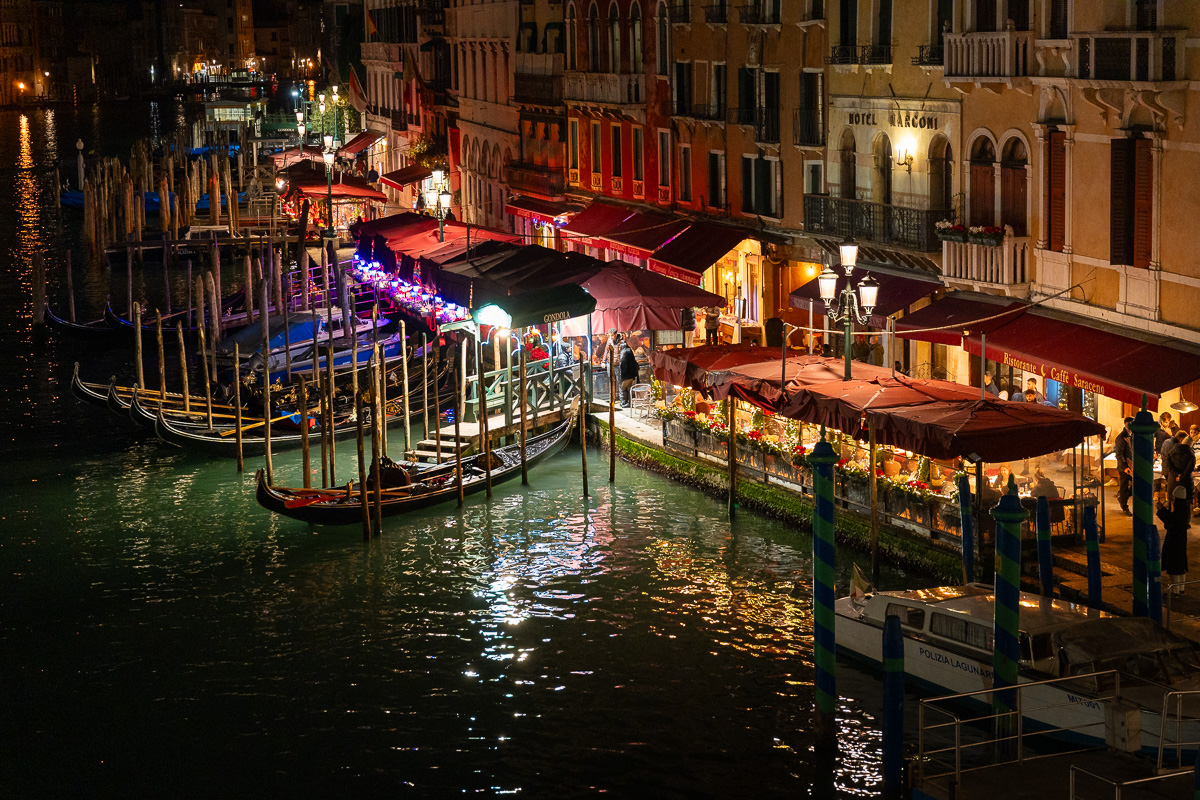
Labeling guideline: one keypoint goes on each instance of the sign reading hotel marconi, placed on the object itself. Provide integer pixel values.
(895, 119)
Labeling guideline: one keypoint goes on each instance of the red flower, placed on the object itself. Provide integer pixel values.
(755, 435)
(841, 463)
(799, 449)
(690, 414)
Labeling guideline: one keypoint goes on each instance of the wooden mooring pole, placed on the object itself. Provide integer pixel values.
(237, 404)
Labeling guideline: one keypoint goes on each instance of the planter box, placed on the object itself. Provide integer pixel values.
(988, 239)
(952, 236)
(858, 492)
(717, 447)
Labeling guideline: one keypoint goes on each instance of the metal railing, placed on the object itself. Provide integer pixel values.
(1179, 744)
(807, 130)
(1008, 728)
(929, 55)
(549, 388)
(1127, 55)
(399, 123)
(717, 14)
(843, 54)
(708, 111)
(1169, 595)
(1118, 787)
(763, 12)
(869, 54)
(680, 12)
(766, 125)
(991, 54)
(875, 222)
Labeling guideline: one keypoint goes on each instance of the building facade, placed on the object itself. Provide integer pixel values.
(18, 52)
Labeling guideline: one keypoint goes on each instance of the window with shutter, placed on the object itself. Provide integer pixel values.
(747, 184)
(1056, 190)
(1012, 186)
(1143, 203)
(983, 183)
(1121, 202)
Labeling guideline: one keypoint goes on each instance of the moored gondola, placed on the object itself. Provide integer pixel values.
(417, 488)
(97, 331)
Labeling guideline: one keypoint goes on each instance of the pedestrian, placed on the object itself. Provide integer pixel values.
(628, 373)
(1164, 430)
(989, 384)
(1123, 451)
(610, 347)
(874, 351)
(712, 325)
(1175, 514)
(1179, 463)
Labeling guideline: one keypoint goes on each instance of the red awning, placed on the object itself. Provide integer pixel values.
(400, 179)
(896, 292)
(1057, 346)
(391, 226)
(543, 210)
(640, 234)
(293, 155)
(596, 220)
(696, 249)
(359, 143)
(340, 191)
(630, 298)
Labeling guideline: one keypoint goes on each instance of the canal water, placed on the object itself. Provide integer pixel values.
(163, 635)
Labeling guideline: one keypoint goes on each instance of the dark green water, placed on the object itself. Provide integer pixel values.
(163, 636)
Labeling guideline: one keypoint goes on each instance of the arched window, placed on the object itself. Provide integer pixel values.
(572, 41)
(1013, 183)
(594, 39)
(983, 182)
(494, 173)
(881, 182)
(636, 56)
(941, 172)
(614, 39)
(848, 188)
(663, 47)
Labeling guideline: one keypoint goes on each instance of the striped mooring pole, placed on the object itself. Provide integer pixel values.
(1154, 574)
(967, 524)
(1142, 428)
(822, 459)
(1092, 535)
(1009, 515)
(1045, 558)
(893, 709)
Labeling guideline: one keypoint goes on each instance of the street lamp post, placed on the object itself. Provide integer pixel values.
(851, 306)
(437, 200)
(328, 156)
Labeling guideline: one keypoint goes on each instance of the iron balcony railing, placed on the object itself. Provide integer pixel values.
(855, 54)
(399, 123)
(538, 179)
(708, 111)
(764, 120)
(760, 13)
(1128, 55)
(843, 54)
(930, 55)
(912, 228)
(716, 15)
(680, 12)
(807, 130)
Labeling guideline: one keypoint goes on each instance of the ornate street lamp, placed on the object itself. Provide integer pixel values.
(850, 306)
(328, 157)
(437, 200)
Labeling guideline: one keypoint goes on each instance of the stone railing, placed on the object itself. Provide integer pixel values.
(1008, 264)
(990, 54)
(604, 87)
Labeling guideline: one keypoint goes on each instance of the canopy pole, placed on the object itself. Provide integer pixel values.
(612, 415)
(358, 441)
(874, 503)
(585, 370)
(1142, 428)
(485, 447)
(982, 365)
(305, 450)
(404, 352)
(810, 325)
(425, 385)
(522, 376)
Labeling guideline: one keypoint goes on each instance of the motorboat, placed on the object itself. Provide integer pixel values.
(1085, 665)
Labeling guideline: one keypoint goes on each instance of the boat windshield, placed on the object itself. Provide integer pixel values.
(1134, 646)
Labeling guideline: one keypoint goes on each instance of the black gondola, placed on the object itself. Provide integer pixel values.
(97, 331)
(423, 486)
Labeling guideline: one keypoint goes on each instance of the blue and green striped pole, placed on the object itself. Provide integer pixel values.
(1154, 574)
(1092, 535)
(1196, 776)
(822, 459)
(1142, 428)
(967, 524)
(893, 708)
(1045, 559)
(1009, 515)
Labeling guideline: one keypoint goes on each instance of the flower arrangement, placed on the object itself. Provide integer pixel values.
(799, 455)
(986, 234)
(915, 488)
(538, 352)
(950, 231)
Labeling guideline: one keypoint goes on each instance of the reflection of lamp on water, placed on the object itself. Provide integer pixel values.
(849, 303)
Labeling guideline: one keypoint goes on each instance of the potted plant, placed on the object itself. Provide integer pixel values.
(988, 235)
(950, 231)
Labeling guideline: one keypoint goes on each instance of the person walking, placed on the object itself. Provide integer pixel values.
(1123, 451)
(712, 325)
(1175, 514)
(628, 372)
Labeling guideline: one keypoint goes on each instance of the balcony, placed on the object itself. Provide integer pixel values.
(544, 90)
(680, 13)
(399, 123)
(760, 13)
(868, 55)
(1128, 55)
(708, 111)
(604, 88)
(716, 15)
(929, 55)
(764, 120)
(807, 130)
(1007, 266)
(988, 55)
(535, 179)
(911, 228)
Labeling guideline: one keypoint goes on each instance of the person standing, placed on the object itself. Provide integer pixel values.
(1179, 463)
(1175, 513)
(989, 384)
(628, 373)
(1123, 451)
(712, 325)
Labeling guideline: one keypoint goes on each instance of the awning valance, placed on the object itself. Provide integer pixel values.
(541, 210)
(1058, 346)
(541, 306)
(640, 234)
(359, 143)
(689, 254)
(596, 220)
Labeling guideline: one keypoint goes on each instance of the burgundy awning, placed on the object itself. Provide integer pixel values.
(400, 179)
(896, 292)
(640, 234)
(696, 249)
(359, 143)
(596, 220)
(1059, 346)
(542, 210)
(629, 298)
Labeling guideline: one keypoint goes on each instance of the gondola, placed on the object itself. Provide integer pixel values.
(417, 487)
(125, 326)
(116, 398)
(94, 394)
(97, 331)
